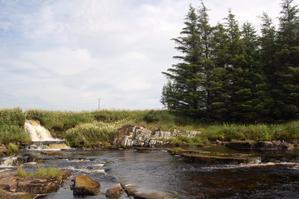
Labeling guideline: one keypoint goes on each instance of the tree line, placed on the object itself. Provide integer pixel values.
(229, 72)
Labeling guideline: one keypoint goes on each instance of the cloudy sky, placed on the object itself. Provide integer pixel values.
(65, 54)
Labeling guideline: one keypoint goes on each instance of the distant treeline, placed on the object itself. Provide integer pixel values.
(230, 73)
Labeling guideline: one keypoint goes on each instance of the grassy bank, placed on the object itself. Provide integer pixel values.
(96, 129)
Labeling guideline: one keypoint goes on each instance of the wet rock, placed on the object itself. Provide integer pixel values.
(133, 192)
(260, 146)
(14, 195)
(207, 157)
(85, 185)
(115, 192)
(8, 181)
(3, 150)
(41, 185)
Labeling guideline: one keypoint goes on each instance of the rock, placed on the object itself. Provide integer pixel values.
(115, 192)
(133, 192)
(14, 195)
(138, 136)
(3, 150)
(40, 185)
(213, 157)
(84, 185)
(8, 181)
(260, 146)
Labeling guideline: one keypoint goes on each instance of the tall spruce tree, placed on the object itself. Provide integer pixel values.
(268, 60)
(218, 92)
(286, 81)
(185, 92)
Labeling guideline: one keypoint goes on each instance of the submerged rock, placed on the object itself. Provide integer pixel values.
(85, 185)
(114, 192)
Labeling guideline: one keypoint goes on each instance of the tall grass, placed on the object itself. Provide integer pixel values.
(96, 134)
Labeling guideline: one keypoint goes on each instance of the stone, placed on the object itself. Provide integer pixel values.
(132, 191)
(85, 185)
(3, 150)
(138, 136)
(40, 185)
(114, 192)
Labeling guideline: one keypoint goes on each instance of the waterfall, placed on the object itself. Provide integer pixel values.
(8, 162)
(42, 138)
(38, 133)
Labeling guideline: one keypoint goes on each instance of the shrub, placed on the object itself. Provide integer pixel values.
(13, 149)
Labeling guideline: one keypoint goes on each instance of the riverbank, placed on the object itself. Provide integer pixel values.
(98, 129)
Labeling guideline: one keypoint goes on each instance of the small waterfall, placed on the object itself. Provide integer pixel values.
(38, 133)
(8, 162)
(42, 138)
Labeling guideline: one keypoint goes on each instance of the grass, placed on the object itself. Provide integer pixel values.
(97, 128)
(49, 172)
(96, 134)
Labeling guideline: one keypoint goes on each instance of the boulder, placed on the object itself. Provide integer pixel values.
(133, 192)
(114, 192)
(85, 185)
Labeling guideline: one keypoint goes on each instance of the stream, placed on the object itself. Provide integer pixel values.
(158, 171)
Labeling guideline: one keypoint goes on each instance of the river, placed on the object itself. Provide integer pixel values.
(158, 171)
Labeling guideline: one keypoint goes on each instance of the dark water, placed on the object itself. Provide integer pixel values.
(157, 171)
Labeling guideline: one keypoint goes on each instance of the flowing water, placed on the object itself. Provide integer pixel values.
(158, 171)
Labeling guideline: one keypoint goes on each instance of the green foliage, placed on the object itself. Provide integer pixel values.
(12, 149)
(227, 73)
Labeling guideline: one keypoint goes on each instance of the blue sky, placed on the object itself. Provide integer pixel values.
(65, 54)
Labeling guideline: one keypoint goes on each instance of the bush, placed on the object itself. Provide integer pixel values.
(12, 149)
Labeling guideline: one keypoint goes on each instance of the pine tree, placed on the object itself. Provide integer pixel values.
(286, 81)
(219, 95)
(267, 58)
(185, 92)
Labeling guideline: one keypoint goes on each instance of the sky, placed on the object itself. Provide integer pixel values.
(66, 54)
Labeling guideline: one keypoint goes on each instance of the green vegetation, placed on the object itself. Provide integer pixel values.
(48, 172)
(13, 149)
(96, 134)
(98, 128)
(229, 73)
(11, 127)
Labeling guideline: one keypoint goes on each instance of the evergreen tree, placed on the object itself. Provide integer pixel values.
(185, 92)
(219, 95)
(286, 81)
(268, 49)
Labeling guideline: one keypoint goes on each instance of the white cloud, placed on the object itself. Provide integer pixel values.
(65, 54)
